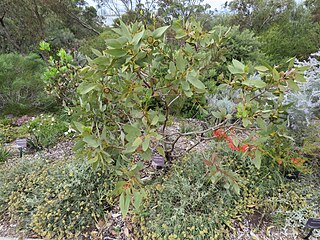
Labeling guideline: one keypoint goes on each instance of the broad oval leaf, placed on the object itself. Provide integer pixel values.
(159, 31)
(254, 83)
(261, 68)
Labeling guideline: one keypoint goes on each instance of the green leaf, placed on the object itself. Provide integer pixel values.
(193, 78)
(116, 52)
(84, 88)
(155, 120)
(137, 199)
(79, 145)
(172, 69)
(233, 70)
(91, 141)
(275, 74)
(79, 126)
(132, 130)
(254, 83)
(93, 160)
(261, 68)
(147, 154)
(44, 46)
(160, 150)
(300, 78)
(96, 52)
(185, 85)
(293, 85)
(262, 124)
(291, 62)
(246, 122)
(124, 204)
(188, 93)
(137, 142)
(136, 39)
(217, 115)
(257, 159)
(236, 188)
(181, 33)
(146, 143)
(238, 65)
(180, 62)
(124, 30)
(159, 31)
(114, 43)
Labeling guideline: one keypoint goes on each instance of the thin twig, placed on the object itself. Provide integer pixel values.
(173, 100)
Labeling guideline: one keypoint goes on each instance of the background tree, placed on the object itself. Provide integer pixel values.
(258, 15)
(174, 9)
(314, 6)
(24, 23)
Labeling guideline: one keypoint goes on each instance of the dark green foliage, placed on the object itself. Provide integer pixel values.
(260, 14)
(22, 89)
(291, 39)
(242, 45)
(97, 42)
(24, 23)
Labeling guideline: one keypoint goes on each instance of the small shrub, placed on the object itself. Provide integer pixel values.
(4, 154)
(190, 204)
(8, 133)
(56, 200)
(45, 131)
(306, 102)
(311, 141)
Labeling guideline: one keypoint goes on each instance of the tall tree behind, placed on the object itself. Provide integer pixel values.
(314, 6)
(258, 15)
(23, 23)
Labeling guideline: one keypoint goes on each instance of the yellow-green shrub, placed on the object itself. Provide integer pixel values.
(57, 200)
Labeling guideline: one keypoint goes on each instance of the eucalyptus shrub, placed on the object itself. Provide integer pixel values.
(60, 77)
(114, 117)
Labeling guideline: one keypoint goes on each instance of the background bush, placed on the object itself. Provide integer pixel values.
(21, 85)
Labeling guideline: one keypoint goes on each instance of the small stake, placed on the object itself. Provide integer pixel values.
(21, 143)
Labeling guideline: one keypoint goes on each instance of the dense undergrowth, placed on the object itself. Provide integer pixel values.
(186, 205)
(65, 199)
(54, 199)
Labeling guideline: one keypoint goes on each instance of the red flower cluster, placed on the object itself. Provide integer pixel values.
(295, 161)
(221, 134)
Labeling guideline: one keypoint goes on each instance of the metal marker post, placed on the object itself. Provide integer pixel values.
(21, 143)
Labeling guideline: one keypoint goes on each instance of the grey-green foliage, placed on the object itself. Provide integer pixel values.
(21, 86)
(222, 100)
(306, 103)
